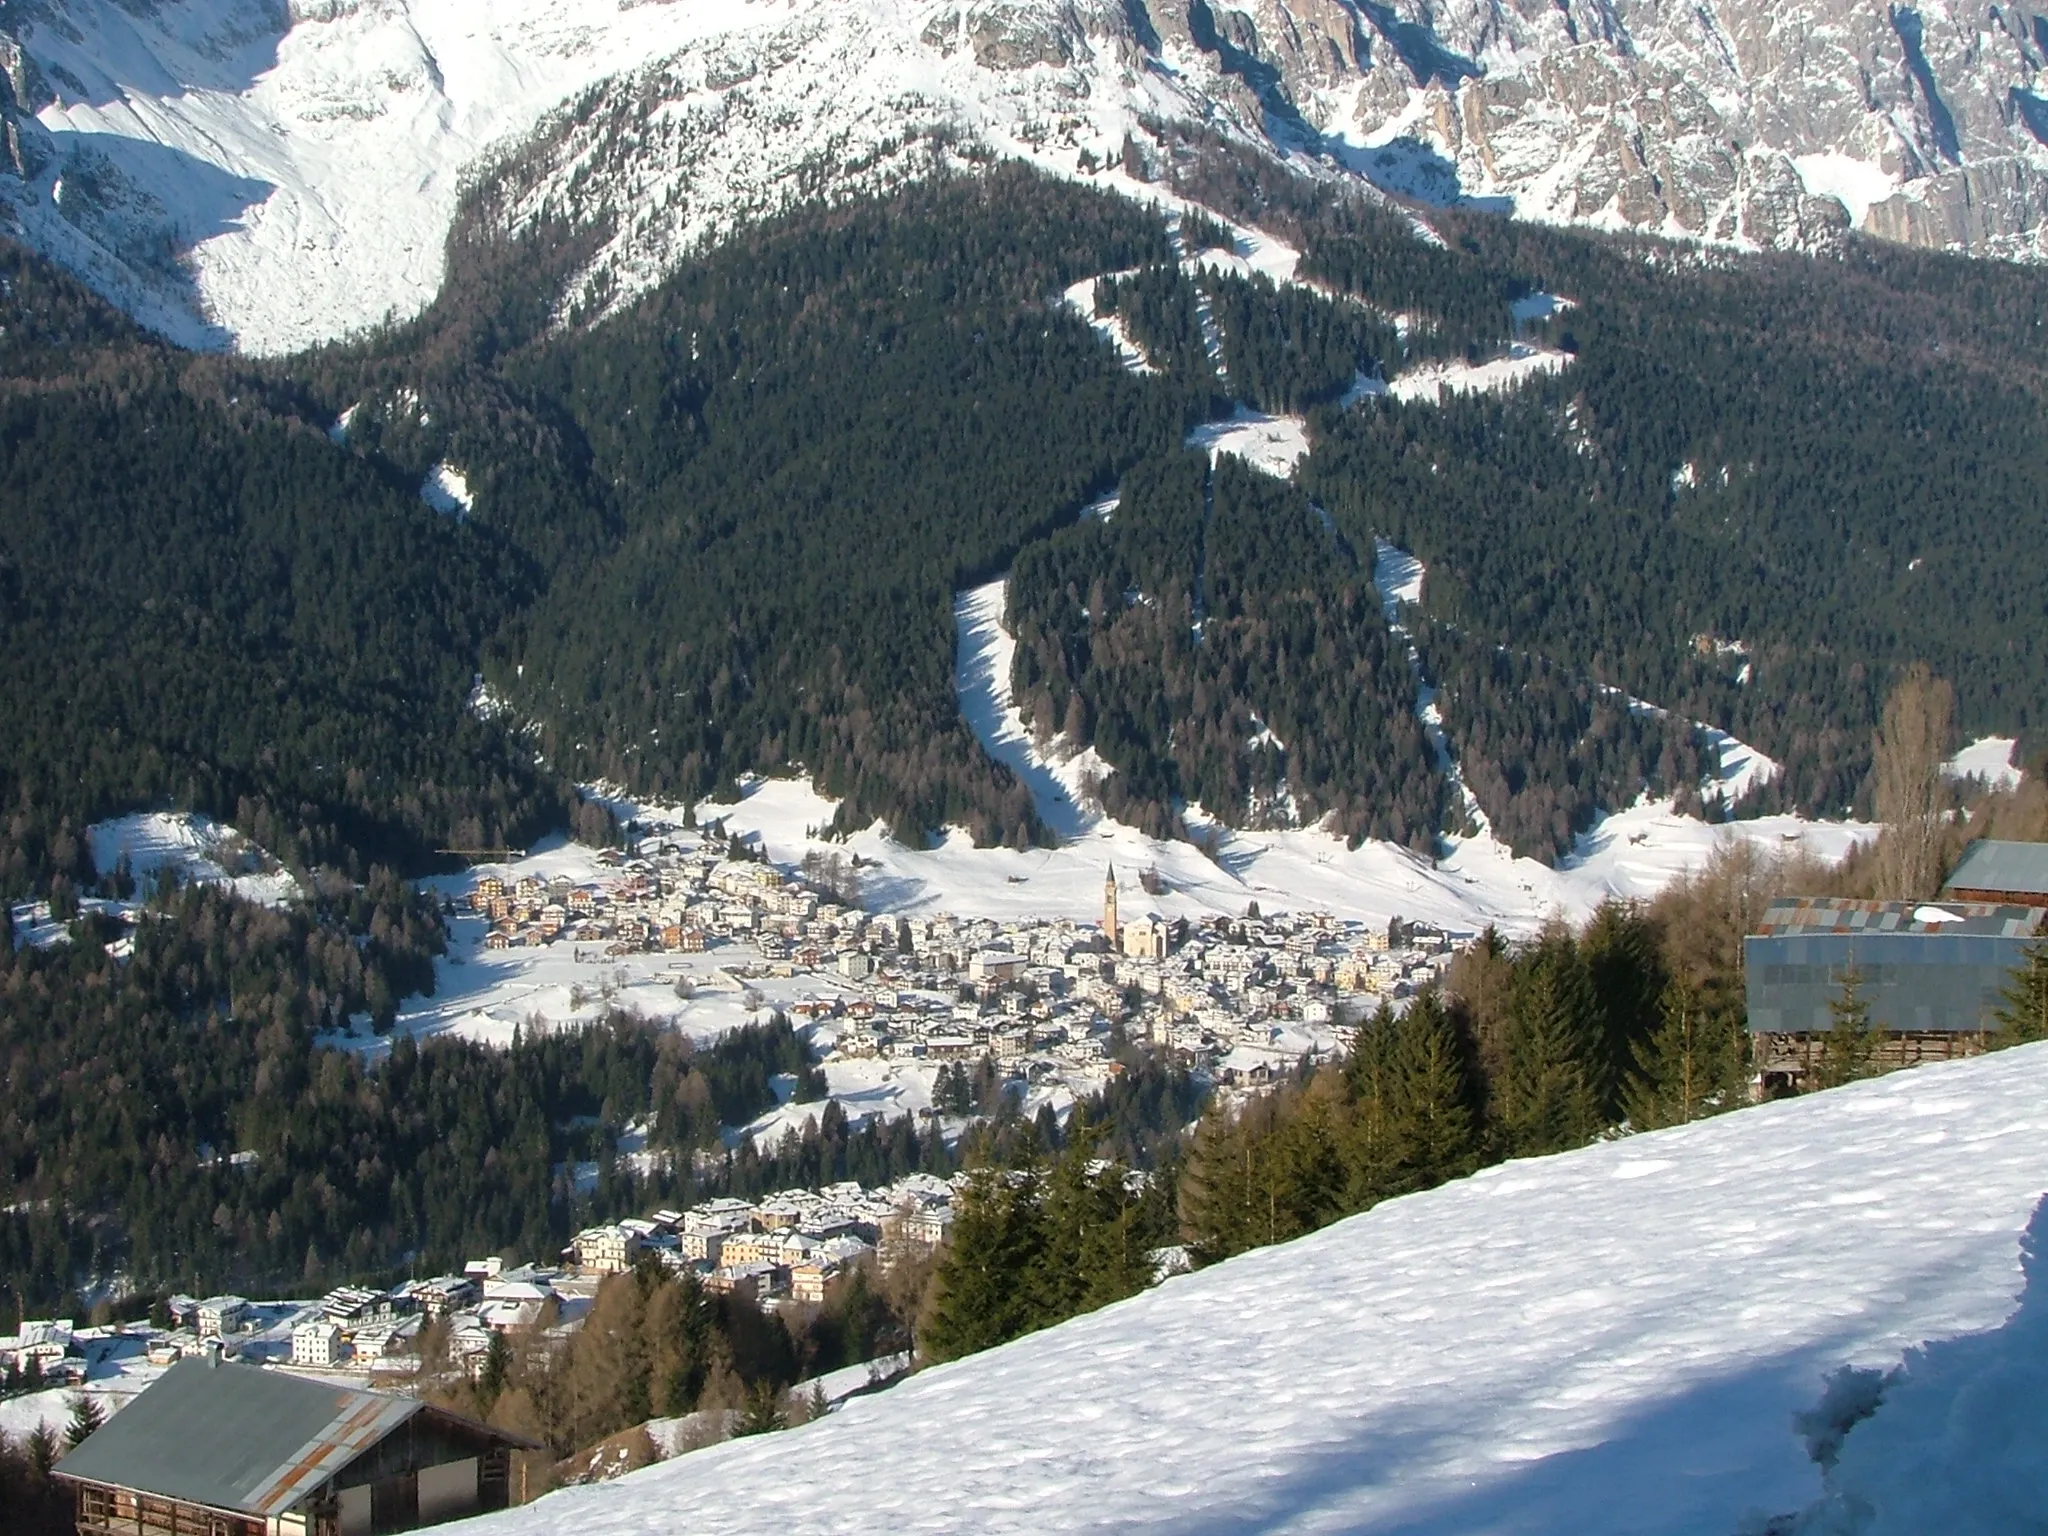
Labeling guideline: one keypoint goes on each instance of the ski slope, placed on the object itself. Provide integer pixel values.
(1613, 1340)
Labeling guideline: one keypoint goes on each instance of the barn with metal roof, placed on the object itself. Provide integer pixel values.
(2000, 871)
(216, 1449)
(1932, 973)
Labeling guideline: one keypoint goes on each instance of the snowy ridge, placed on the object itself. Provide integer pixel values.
(1613, 1340)
(270, 175)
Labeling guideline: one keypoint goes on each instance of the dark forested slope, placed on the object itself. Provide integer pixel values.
(719, 532)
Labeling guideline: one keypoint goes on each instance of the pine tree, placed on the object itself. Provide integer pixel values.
(1371, 1083)
(1850, 1045)
(497, 1364)
(1546, 1098)
(1216, 1186)
(1689, 1067)
(42, 1450)
(1625, 966)
(1433, 1138)
(2023, 1013)
(763, 1413)
(1305, 1174)
(985, 1289)
(87, 1415)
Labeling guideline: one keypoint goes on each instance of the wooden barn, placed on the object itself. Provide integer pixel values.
(214, 1449)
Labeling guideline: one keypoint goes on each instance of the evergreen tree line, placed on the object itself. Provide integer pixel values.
(1035, 1244)
(1841, 419)
(1544, 752)
(1217, 643)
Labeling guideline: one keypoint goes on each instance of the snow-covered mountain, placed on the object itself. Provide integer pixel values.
(275, 172)
(1612, 1340)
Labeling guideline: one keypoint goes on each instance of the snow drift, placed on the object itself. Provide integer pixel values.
(1613, 1340)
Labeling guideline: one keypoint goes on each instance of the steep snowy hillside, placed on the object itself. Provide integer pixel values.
(275, 172)
(1613, 1340)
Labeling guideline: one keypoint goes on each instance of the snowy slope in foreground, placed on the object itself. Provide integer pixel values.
(1614, 1340)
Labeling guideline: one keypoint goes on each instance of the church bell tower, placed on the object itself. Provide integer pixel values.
(1109, 924)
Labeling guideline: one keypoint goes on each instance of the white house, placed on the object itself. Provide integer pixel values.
(222, 1315)
(317, 1343)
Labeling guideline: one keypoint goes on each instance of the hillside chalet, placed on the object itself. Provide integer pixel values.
(1933, 974)
(213, 1449)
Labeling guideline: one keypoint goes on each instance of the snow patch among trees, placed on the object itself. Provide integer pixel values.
(447, 491)
(1990, 758)
(1275, 444)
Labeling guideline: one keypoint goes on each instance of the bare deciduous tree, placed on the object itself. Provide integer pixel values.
(1907, 755)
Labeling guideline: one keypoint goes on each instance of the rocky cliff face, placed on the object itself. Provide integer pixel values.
(279, 171)
(1732, 119)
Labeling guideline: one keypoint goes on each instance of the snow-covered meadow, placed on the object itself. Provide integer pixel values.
(1613, 1340)
(149, 844)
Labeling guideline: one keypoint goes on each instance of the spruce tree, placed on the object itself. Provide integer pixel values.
(1433, 1137)
(1689, 1067)
(1116, 1253)
(1850, 1045)
(1305, 1173)
(1216, 1186)
(986, 1286)
(763, 1413)
(1370, 1079)
(1625, 966)
(497, 1363)
(2022, 1016)
(1546, 1099)
(87, 1415)
(42, 1450)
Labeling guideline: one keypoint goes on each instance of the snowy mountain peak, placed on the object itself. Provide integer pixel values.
(273, 174)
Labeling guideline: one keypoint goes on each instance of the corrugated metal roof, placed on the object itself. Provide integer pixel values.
(235, 1437)
(2021, 868)
(1831, 914)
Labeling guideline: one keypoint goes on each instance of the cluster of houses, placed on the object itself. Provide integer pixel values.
(681, 900)
(41, 1354)
(1240, 997)
(784, 1248)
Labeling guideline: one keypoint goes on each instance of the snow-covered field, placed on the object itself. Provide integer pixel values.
(1275, 444)
(193, 848)
(1609, 1341)
(1993, 759)
(1424, 383)
(197, 850)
